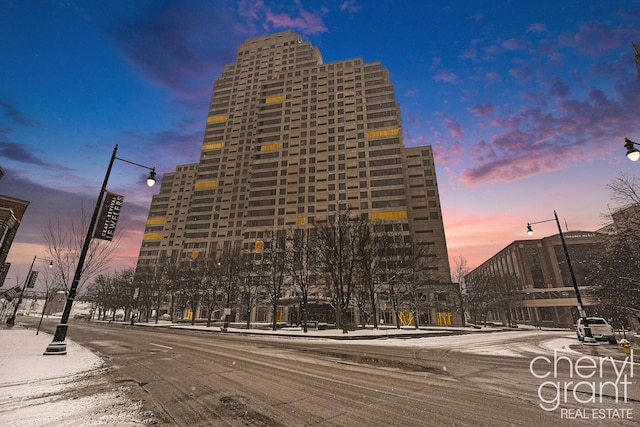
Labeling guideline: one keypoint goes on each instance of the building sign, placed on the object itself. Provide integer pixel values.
(109, 214)
(578, 235)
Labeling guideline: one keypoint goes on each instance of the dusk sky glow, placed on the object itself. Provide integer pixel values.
(526, 104)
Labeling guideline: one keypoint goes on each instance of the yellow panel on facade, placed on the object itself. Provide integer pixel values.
(212, 146)
(259, 245)
(272, 99)
(215, 119)
(270, 147)
(300, 220)
(195, 254)
(445, 318)
(383, 133)
(152, 236)
(405, 317)
(279, 316)
(205, 184)
(378, 216)
(156, 221)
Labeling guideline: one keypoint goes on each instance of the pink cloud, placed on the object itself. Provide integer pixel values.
(595, 38)
(522, 71)
(448, 154)
(350, 6)
(482, 110)
(411, 141)
(306, 22)
(478, 17)
(511, 44)
(538, 27)
(535, 141)
(492, 50)
(493, 77)
(470, 53)
(453, 127)
(250, 9)
(520, 164)
(557, 87)
(445, 76)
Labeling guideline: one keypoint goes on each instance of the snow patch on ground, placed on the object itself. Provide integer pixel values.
(58, 390)
(491, 344)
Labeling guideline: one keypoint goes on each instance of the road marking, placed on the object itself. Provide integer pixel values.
(163, 346)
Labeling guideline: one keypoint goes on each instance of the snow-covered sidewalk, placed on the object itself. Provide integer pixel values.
(69, 390)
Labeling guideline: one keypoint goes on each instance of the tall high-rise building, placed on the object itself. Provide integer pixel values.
(290, 141)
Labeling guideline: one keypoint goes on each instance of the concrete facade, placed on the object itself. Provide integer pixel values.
(535, 276)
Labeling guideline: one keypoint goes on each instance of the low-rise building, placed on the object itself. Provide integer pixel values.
(529, 281)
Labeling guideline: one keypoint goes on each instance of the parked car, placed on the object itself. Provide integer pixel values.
(601, 330)
(83, 316)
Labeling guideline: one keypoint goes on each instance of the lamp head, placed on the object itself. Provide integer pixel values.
(50, 264)
(632, 152)
(529, 230)
(152, 178)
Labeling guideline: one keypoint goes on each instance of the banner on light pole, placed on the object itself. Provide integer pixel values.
(106, 227)
(12, 293)
(32, 279)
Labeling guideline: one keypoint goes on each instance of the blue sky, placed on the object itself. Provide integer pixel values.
(526, 104)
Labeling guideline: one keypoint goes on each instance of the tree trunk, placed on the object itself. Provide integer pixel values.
(274, 316)
(157, 308)
(303, 309)
(172, 307)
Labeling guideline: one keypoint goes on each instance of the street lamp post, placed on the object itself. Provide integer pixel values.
(12, 320)
(632, 152)
(58, 345)
(581, 312)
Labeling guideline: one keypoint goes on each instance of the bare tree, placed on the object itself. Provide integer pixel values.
(111, 292)
(460, 269)
(614, 265)
(625, 189)
(337, 254)
(393, 266)
(478, 297)
(370, 250)
(251, 277)
(231, 268)
(413, 276)
(172, 271)
(302, 265)
(211, 295)
(193, 278)
(64, 244)
(50, 288)
(274, 272)
(153, 284)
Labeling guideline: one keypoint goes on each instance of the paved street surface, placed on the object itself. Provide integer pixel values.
(194, 378)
